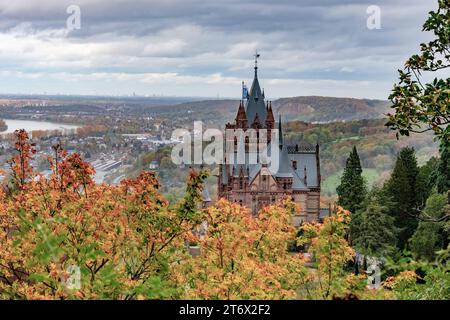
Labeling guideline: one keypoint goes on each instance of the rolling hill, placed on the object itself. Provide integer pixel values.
(328, 109)
(307, 108)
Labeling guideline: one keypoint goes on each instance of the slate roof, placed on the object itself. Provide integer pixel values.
(304, 160)
(285, 169)
(255, 103)
(308, 161)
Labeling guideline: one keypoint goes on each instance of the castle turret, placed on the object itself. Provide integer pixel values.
(270, 121)
(241, 117)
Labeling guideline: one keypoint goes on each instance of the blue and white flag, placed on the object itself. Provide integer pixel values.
(244, 92)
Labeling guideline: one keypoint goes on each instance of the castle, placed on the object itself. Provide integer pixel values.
(255, 185)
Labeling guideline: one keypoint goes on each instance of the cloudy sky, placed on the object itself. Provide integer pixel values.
(205, 48)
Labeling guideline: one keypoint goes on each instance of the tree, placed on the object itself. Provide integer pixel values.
(20, 163)
(401, 189)
(243, 257)
(330, 253)
(431, 236)
(122, 239)
(426, 180)
(420, 106)
(443, 172)
(352, 189)
(418, 280)
(373, 232)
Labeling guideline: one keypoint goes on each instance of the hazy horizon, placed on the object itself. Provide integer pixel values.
(195, 49)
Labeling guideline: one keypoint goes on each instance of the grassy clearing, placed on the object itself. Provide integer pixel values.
(332, 182)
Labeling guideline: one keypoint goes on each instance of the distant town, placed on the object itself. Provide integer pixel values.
(111, 136)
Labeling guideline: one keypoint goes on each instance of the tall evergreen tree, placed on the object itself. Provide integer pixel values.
(401, 188)
(426, 180)
(443, 171)
(352, 189)
(372, 229)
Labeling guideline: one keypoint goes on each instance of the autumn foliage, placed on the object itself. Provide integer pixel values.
(243, 257)
(122, 238)
(66, 237)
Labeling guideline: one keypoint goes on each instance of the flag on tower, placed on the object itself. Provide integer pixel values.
(244, 91)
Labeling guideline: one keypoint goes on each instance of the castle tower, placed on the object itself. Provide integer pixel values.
(256, 185)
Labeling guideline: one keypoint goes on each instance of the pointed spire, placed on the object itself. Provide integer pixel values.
(270, 120)
(305, 176)
(280, 132)
(256, 63)
(241, 117)
(255, 103)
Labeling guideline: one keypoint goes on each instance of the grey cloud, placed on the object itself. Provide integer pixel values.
(301, 39)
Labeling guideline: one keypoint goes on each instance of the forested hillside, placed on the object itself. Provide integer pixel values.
(377, 147)
(308, 108)
(328, 109)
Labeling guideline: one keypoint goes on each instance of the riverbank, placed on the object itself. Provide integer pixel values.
(33, 125)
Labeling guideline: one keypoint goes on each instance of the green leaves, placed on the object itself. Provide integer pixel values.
(372, 228)
(352, 189)
(423, 106)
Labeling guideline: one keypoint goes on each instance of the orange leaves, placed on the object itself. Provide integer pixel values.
(243, 257)
(407, 276)
(20, 163)
(119, 236)
(330, 252)
(145, 190)
(129, 243)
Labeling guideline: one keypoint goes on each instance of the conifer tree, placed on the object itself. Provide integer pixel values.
(352, 189)
(426, 180)
(372, 229)
(443, 172)
(401, 189)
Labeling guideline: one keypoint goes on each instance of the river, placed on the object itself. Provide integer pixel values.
(31, 125)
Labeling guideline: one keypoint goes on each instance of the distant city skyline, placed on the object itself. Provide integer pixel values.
(205, 49)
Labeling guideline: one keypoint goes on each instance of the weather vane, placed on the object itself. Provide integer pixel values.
(257, 55)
